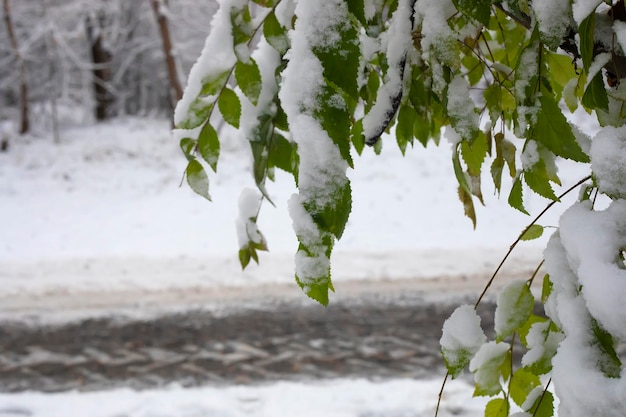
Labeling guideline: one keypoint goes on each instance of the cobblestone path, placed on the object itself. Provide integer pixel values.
(287, 341)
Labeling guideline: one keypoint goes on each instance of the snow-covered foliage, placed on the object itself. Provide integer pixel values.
(496, 77)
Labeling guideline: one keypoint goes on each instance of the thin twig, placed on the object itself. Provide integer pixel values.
(493, 277)
(443, 385)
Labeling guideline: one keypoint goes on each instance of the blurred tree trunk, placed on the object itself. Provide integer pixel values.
(176, 91)
(24, 121)
(101, 59)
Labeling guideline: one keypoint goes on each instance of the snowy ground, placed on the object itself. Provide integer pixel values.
(100, 217)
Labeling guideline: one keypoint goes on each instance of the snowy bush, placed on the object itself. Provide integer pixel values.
(310, 83)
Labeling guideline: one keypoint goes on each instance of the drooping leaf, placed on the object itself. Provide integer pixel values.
(197, 179)
(546, 288)
(538, 180)
(213, 84)
(474, 153)
(283, 154)
(341, 60)
(586, 34)
(209, 145)
(404, 127)
(479, 10)
(275, 34)
(522, 383)
(357, 136)
(248, 78)
(357, 8)
(533, 232)
(543, 406)
(498, 407)
(514, 306)
(187, 145)
(334, 117)
(490, 365)
(515, 197)
(607, 362)
(554, 132)
(230, 107)
(595, 96)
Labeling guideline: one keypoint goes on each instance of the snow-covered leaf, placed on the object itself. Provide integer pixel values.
(275, 34)
(198, 179)
(462, 337)
(514, 306)
(479, 10)
(490, 364)
(209, 145)
(248, 78)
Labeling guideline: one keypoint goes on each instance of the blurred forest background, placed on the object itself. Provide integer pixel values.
(80, 61)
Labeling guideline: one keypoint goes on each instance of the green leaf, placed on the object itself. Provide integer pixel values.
(283, 154)
(479, 10)
(586, 34)
(358, 140)
(266, 3)
(188, 145)
(607, 362)
(544, 406)
(514, 306)
(553, 131)
(525, 328)
(522, 383)
(333, 217)
(546, 288)
(335, 120)
(538, 180)
(230, 107)
(209, 145)
(496, 172)
(198, 179)
(595, 96)
(357, 8)
(341, 60)
(562, 70)
(474, 154)
(515, 197)
(533, 232)
(213, 84)
(498, 407)
(244, 257)
(241, 19)
(404, 127)
(248, 78)
(275, 34)
(492, 370)
(465, 190)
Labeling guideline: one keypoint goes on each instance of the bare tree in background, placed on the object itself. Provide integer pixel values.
(24, 121)
(101, 58)
(176, 91)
